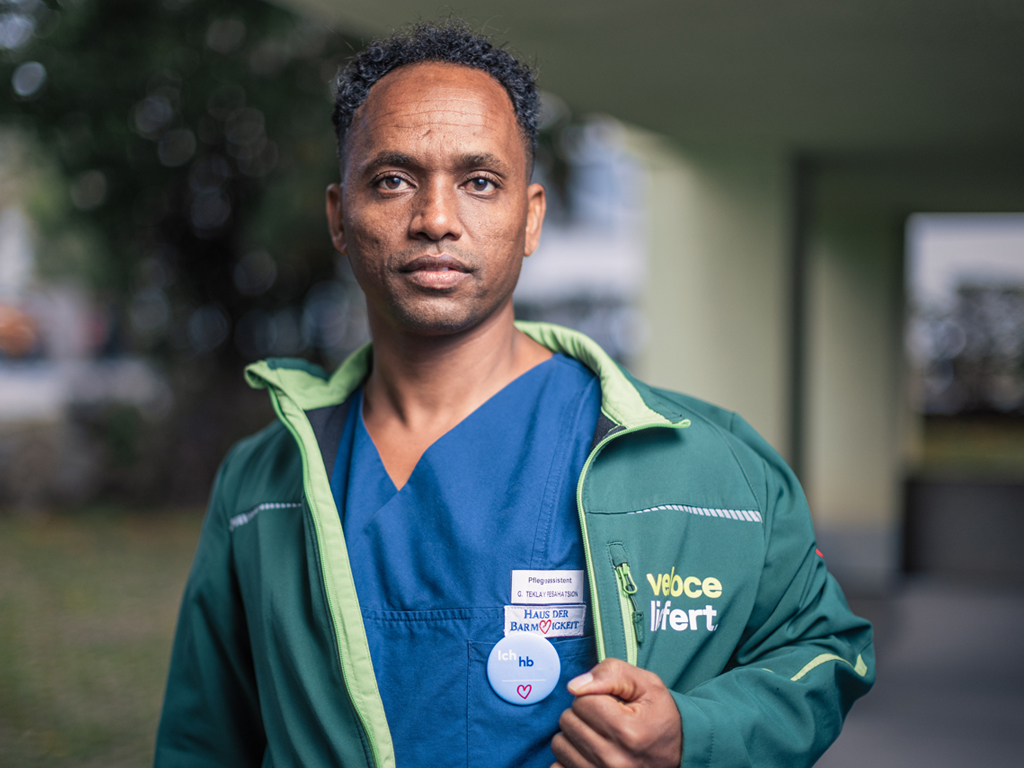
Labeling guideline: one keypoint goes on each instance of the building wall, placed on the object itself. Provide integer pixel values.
(853, 455)
(716, 301)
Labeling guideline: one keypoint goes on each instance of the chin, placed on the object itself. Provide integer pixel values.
(439, 321)
(434, 323)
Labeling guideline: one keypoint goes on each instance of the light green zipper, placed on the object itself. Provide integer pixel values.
(383, 755)
(632, 617)
(628, 611)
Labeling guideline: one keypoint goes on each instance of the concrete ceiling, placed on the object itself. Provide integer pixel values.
(816, 76)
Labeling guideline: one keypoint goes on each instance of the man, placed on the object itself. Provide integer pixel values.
(375, 576)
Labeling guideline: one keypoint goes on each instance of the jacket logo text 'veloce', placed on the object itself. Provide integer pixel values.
(692, 586)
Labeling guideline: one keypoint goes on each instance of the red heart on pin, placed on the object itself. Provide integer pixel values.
(545, 626)
(524, 690)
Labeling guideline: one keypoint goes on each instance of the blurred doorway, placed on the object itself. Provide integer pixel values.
(965, 346)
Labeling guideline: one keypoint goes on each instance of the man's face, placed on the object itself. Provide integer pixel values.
(435, 209)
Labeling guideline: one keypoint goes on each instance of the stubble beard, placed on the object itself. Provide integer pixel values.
(433, 313)
(417, 311)
(441, 314)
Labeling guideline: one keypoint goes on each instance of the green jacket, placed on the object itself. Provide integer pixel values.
(700, 555)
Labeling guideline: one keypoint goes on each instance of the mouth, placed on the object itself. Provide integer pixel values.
(441, 262)
(438, 271)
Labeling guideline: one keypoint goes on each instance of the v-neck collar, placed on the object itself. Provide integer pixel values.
(504, 474)
(361, 423)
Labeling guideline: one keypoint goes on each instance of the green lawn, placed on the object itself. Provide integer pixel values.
(980, 447)
(87, 611)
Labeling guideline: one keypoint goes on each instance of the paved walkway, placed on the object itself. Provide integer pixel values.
(950, 688)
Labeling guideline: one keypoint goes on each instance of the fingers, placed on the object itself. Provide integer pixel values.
(586, 741)
(600, 725)
(613, 677)
(604, 716)
(621, 716)
(611, 696)
(567, 754)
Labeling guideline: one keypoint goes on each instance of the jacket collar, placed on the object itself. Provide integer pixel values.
(626, 401)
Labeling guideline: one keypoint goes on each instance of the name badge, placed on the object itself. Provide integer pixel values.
(548, 620)
(523, 668)
(547, 587)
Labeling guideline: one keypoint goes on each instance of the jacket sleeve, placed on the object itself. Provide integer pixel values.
(803, 658)
(211, 714)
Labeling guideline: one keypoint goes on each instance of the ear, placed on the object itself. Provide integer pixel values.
(334, 218)
(536, 206)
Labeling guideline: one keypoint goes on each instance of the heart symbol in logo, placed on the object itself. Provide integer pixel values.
(524, 690)
(545, 626)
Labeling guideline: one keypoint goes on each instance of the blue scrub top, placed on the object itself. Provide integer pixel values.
(433, 563)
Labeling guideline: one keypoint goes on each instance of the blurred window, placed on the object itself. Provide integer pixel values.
(590, 266)
(965, 331)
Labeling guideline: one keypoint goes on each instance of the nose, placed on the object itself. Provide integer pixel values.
(436, 214)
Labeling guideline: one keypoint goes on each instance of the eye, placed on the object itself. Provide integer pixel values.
(482, 184)
(391, 183)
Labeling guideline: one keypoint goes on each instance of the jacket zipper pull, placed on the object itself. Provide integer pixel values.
(629, 589)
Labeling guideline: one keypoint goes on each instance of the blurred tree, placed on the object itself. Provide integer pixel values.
(191, 142)
(195, 143)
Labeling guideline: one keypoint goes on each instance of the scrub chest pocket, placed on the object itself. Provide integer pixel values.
(496, 727)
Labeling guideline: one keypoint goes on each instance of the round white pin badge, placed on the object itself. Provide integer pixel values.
(523, 668)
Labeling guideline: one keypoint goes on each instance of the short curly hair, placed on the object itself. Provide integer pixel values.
(452, 42)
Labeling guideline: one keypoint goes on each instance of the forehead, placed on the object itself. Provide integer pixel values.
(433, 105)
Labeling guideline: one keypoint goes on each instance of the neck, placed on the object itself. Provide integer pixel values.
(427, 384)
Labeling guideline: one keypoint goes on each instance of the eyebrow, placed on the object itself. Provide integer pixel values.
(402, 160)
(485, 160)
(387, 158)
